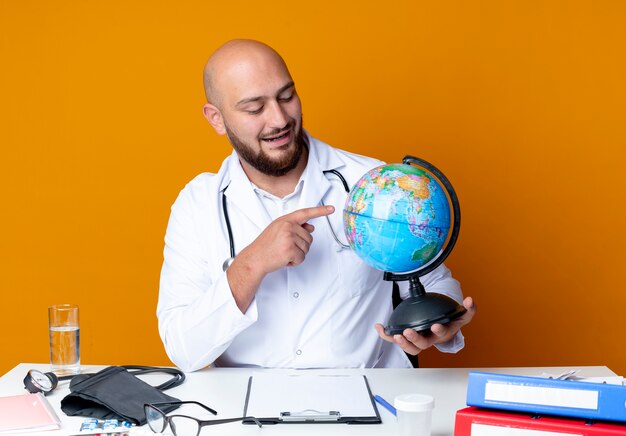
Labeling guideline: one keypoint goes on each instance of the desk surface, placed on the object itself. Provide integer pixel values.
(224, 389)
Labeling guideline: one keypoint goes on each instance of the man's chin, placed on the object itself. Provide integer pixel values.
(280, 160)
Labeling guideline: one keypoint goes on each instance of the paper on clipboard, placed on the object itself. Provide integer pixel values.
(272, 394)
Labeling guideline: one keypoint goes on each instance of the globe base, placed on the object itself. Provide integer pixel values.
(422, 311)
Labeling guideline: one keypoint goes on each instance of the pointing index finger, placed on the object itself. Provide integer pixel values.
(301, 216)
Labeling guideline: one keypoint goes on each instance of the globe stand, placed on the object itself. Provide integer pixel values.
(421, 310)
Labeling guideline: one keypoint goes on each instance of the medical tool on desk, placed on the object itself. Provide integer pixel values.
(231, 242)
(114, 392)
(45, 382)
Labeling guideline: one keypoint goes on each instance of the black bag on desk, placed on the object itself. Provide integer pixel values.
(117, 393)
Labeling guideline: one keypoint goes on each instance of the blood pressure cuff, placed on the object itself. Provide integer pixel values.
(114, 393)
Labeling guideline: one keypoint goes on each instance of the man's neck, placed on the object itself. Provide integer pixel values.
(278, 186)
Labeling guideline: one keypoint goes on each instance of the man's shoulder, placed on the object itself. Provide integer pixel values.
(208, 181)
(202, 181)
(197, 191)
(205, 186)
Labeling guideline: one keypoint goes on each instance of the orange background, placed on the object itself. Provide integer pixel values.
(520, 103)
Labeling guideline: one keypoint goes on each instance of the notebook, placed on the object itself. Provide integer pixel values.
(27, 412)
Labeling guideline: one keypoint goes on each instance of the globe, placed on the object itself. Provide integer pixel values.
(397, 218)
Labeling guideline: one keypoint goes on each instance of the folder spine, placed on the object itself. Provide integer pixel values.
(474, 421)
(547, 396)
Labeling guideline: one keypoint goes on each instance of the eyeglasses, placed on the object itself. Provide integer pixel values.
(183, 425)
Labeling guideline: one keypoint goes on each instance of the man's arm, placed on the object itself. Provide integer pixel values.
(198, 317)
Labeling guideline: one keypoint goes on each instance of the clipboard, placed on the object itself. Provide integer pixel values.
(279, 398)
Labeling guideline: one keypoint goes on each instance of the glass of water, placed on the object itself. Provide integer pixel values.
(64, 330)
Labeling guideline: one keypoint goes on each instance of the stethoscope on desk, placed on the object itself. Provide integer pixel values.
(45, 382)
(231, 242)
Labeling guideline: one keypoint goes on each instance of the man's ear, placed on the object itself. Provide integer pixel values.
(214, 116)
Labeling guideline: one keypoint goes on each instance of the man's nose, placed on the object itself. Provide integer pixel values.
(277, 118)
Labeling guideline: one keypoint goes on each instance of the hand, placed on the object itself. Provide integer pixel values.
(413, 342)
(285, 242)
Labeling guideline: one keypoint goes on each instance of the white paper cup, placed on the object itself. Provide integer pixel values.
(414, 412)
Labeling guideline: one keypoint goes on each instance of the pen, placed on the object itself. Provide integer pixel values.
(380, 400)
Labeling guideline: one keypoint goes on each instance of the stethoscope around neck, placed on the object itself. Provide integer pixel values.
(231, 242)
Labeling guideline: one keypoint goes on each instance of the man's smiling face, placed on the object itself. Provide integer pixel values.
(259, 108)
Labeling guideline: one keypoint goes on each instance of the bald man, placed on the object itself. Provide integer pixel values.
(290, 295)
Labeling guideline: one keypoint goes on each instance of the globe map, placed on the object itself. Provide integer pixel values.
(397, 218)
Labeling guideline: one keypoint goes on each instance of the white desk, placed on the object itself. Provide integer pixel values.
(224, 389)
